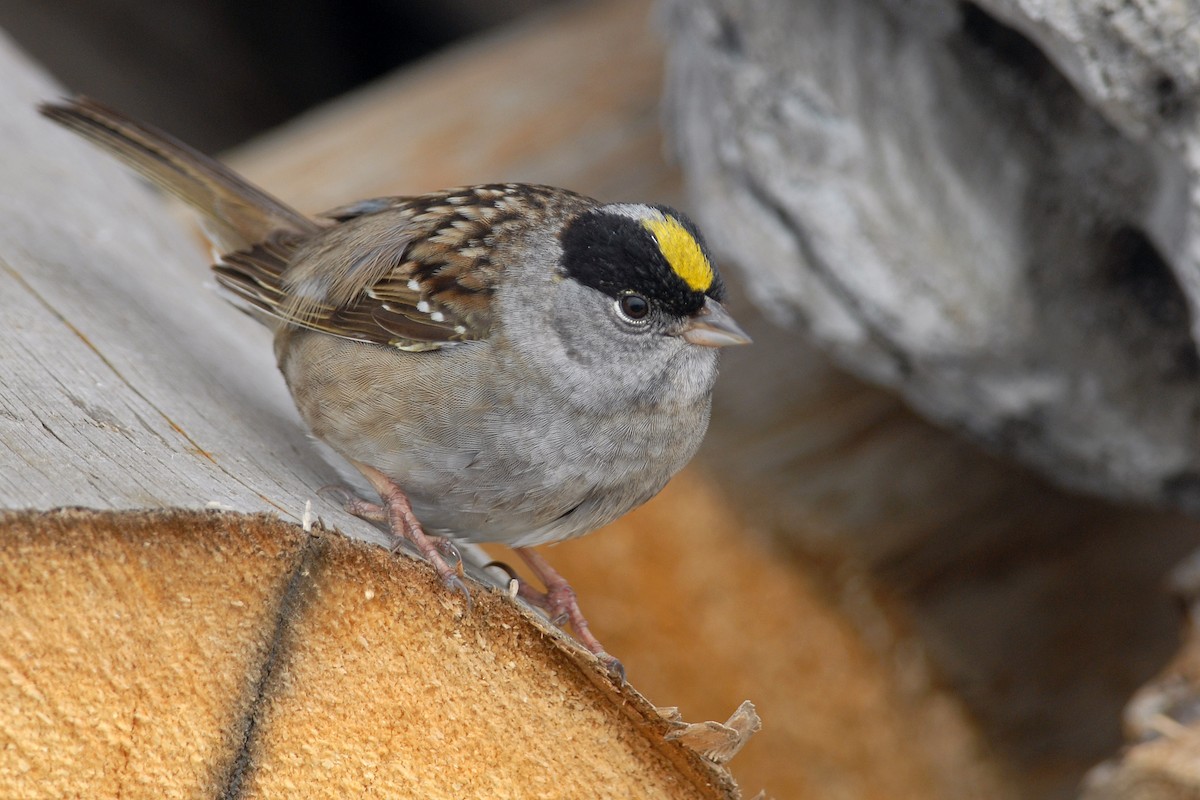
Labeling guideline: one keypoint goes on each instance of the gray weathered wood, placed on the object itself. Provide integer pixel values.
(125, 380)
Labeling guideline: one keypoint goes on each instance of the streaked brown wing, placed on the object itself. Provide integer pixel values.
(413, 273)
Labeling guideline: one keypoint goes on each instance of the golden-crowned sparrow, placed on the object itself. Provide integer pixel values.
(505, 362)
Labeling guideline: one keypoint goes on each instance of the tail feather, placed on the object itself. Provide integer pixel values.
(237, 214)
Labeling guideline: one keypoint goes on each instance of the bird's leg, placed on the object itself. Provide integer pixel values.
(560, 603)
(396, 512)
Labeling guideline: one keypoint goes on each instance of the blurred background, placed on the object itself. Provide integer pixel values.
(216, 72)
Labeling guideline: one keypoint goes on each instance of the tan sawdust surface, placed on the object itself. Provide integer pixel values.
(133, 650)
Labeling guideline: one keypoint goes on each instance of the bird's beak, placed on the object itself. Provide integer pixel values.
(712, 326)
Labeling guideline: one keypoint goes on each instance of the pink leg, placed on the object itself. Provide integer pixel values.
(560, 603)
(396, 512)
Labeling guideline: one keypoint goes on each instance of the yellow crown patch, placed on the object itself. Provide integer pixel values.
(682, 252)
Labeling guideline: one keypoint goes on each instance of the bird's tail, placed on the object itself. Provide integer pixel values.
(237, 214)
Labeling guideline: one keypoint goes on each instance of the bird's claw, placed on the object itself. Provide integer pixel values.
(454, 583)
(336, 494)
(614, 668)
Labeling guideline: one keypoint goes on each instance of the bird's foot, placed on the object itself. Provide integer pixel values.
(561, 604)
(395, 511)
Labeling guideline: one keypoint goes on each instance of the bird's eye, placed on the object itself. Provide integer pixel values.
(634, 306)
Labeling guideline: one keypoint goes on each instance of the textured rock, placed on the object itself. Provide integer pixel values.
(993, 207)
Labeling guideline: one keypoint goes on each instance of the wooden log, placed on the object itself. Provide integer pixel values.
(212, 654)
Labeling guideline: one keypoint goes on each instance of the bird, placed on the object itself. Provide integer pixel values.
(501, 362)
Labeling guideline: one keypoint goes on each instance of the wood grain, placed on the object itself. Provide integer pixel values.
(127, 381)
